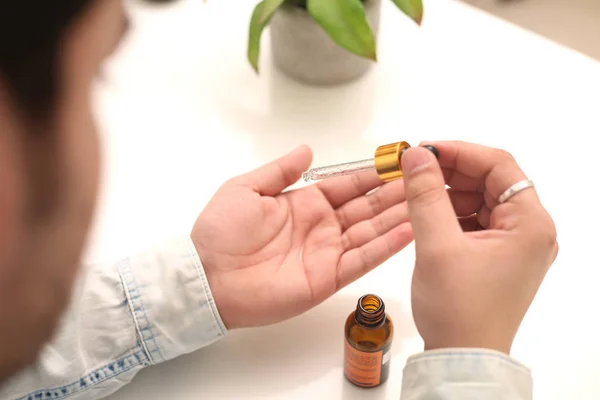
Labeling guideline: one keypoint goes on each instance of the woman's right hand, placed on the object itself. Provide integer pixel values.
(479, 263)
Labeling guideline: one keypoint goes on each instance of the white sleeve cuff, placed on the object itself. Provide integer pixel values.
(465, 374)
(170, 300)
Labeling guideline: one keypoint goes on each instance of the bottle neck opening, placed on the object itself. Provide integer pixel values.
(370, 311)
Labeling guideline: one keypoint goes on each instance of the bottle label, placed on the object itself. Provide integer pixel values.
(362, 368)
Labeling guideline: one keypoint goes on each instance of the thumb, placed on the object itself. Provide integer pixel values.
(274, 177)
(430, 210)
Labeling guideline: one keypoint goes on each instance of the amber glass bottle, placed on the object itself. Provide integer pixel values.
(369, 333)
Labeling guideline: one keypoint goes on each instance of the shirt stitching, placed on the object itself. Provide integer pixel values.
(111, 370)
(211, 302)
(149, 327)
(134, 309)
(137, 308)
(134, 313)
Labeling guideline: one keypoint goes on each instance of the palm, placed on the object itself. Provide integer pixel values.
(277, 255)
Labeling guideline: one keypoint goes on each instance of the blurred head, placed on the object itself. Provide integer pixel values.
(50, 53)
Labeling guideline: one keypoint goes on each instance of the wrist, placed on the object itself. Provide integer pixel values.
(490, 343)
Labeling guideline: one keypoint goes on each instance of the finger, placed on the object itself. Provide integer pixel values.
(465, 203)
(462, 183)
(355, 263)
(431, 213)
(365, 231)
(459, 181)
(495, 170)
(483, 216)
(345, 188)
(274, 177)
(370, 205)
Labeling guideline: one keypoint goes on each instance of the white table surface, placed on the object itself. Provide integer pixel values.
(180, 103)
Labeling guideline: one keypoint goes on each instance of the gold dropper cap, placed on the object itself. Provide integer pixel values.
(387, 161)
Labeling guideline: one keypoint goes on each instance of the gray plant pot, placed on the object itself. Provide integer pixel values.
(302, 50)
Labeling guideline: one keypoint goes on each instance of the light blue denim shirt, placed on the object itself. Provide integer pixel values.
(156, 306)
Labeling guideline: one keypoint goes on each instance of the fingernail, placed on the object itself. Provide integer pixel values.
(435, 151)
(415, 159)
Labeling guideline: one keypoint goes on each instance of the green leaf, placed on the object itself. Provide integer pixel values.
(346, 24)
(412, 8)
(261, 16)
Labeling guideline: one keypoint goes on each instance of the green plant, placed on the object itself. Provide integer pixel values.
(344, 21)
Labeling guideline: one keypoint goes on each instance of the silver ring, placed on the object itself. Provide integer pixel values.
(514, 189)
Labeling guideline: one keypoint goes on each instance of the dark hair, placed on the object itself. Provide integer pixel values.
(30, 32)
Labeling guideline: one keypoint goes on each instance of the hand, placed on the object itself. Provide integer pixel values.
(472, 286)
(269, 255)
